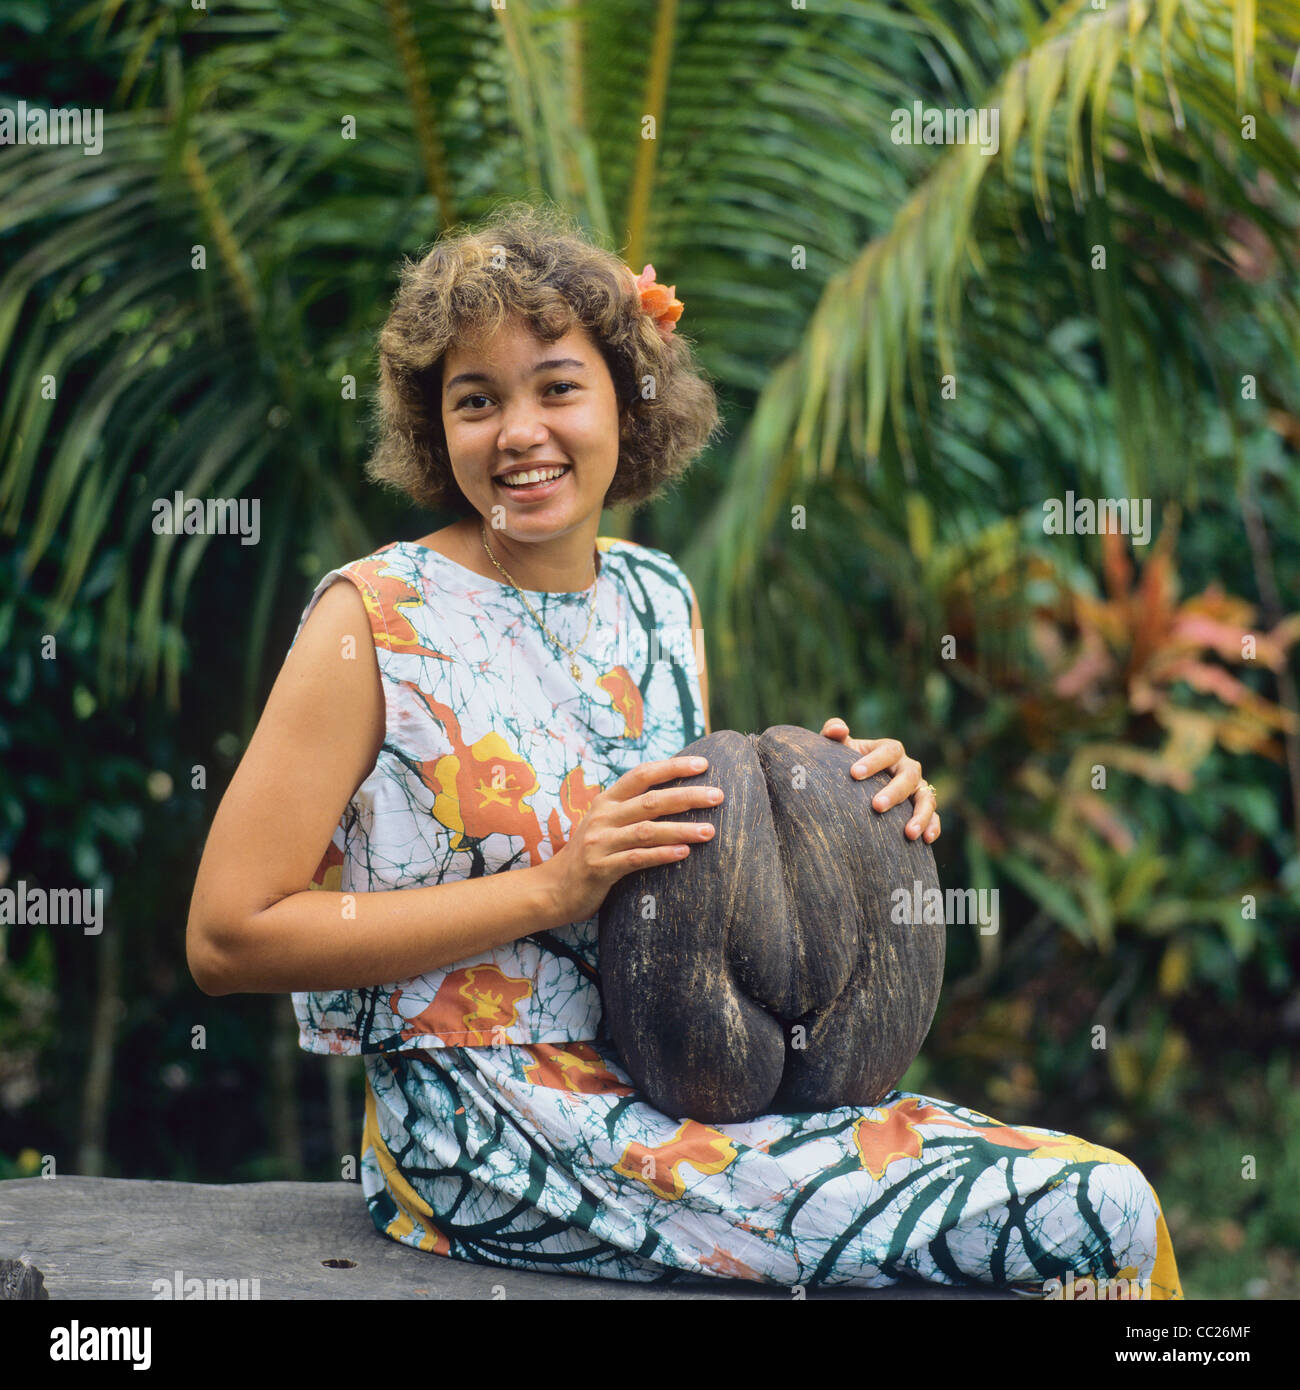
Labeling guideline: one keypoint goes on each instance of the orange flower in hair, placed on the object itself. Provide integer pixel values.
(658, 301)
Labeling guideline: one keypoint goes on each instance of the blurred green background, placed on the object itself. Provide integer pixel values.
(915, 347)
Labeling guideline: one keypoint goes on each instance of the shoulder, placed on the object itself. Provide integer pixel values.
(642, 558)
(386, 567)
(651, 569)
(394, 564)
(382, 579)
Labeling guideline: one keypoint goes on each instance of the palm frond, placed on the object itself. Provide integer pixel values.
(1095, 89)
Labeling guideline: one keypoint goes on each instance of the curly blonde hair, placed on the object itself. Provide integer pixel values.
(531, 261)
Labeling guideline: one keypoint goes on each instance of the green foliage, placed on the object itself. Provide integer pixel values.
(1236, 1235)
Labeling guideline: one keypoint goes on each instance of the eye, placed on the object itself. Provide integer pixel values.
(573, 385)
(473, 396)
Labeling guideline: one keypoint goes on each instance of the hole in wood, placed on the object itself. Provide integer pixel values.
(339, 1264)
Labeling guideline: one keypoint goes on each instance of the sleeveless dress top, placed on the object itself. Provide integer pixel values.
(492, 753)
(500, 1125)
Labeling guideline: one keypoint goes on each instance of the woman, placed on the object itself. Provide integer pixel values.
(496, 696)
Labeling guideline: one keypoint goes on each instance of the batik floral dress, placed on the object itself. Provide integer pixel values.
(500, 1125)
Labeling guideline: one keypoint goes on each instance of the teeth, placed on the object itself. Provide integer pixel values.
(535, 475)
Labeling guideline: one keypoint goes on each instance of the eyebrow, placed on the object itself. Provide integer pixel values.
(548, 365)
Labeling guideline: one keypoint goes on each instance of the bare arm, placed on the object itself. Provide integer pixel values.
(254, 925)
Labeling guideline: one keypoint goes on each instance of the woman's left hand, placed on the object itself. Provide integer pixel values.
(887, 754)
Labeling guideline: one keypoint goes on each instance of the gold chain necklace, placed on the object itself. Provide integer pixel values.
(591, 612)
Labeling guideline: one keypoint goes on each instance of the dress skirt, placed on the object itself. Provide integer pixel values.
(545, 1157)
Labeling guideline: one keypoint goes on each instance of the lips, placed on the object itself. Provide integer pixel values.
(534, 490)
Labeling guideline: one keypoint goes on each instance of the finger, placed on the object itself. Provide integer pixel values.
(884, 753)
(663, 801)
(933, 830)
(877, 760)
(645, 775)
(835, 728)
(906, 780)
(649, 834)
(923, 805)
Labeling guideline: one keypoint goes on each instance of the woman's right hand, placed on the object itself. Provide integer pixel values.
(619, 834)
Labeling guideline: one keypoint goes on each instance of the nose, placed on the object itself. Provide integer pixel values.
(521, 428)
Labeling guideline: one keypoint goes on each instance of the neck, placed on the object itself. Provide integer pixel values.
(558, 564)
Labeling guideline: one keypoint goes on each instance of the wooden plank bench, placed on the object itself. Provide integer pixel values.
(112, 1238)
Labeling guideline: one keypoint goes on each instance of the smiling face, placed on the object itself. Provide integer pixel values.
(514, 403)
